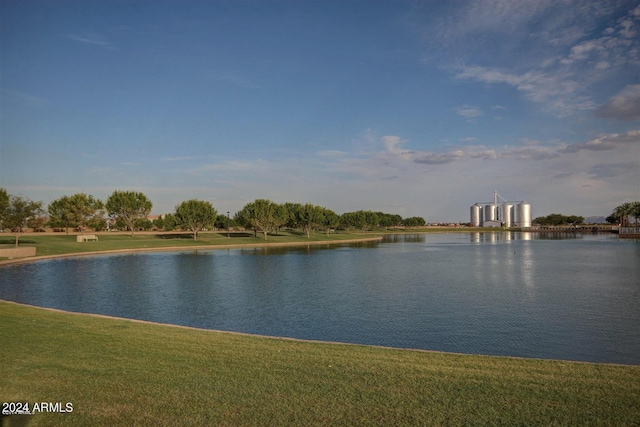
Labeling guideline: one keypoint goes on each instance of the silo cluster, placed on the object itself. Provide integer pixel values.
(504, 214)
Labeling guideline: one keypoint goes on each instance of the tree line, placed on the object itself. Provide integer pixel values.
(129, 210)
(621, 215)
(558, 219)
(624, 212)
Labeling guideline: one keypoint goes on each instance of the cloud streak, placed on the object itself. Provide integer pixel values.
(605, 142)
(94, 40)
(623, 107)
(528, 151)
(559, 74)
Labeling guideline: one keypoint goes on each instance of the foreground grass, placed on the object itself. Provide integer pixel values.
(119, 372)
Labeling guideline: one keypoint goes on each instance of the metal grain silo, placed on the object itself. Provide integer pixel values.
(476, 215)
(506, 214)
(490, 212)
(523, 214)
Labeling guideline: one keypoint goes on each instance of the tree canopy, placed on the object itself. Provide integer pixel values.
(17, 211)
(80, 210)
(558, 219)
(258, 215)
(195, 215)
(128, 206)
(622, 214)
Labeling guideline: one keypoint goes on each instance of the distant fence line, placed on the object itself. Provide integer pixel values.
(591, 228)
(629, 232)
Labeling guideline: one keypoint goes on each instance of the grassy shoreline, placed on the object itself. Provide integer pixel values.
(122, 372)
(54, 245)
(126, 372)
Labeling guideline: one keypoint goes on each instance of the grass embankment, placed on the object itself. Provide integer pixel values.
(62, 244)
(57, 244)
(120, 372)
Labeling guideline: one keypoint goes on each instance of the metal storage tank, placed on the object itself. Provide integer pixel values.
(523, 214)
(476, 215)
(506, 214)
(489, 212)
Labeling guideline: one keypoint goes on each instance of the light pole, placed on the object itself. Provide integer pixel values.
(228, 236)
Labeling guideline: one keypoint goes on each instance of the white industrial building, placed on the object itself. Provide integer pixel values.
(501, 213)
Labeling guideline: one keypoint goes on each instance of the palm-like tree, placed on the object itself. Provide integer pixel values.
(623, 212)
(635, 211)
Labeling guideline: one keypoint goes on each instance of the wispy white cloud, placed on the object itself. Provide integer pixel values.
(606, 142)
(612, 170)
(469, 112)
(182, 158)
(529, 150)
(24, 98)
(332, 153)
(625, 106)
(556, 90)
(92, 39)
(560, 74)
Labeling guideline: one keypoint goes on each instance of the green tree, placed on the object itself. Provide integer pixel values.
(310, 217)
(360, 219)
(635, 211)
(292, 214)
(86, 209)
(4, 205)
(371, 220)
(17, 212)
(128, 206)
(388, 220)
(195, 215)
(622, 213)
(414, 221)
(331, 220)
(258, 215)
(144, 224)
(280, 216)
(169, 222)
(61, 214)
(79, 210)
(558, 219)
(349, 220)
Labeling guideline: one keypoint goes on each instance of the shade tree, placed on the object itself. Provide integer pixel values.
(17, 211)
(128, 206)
(258, 215)
(80, 210)
(558, 219)
(195, 215)
(310, 217)
(623, 213)
(414, 221)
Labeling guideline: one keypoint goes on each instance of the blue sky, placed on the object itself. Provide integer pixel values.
(419, 108)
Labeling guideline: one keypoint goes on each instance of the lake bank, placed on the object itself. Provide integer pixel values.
(116, 371)
(64, 246)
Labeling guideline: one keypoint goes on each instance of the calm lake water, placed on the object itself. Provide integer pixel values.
(574, 298)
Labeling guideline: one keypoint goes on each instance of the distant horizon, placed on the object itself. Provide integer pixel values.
(414, 108)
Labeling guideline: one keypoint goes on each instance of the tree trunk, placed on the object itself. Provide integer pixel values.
(265, 234)
(17, 237)
(195, 235)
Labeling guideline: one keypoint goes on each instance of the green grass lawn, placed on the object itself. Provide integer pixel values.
(120, 372)
(61, 244)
